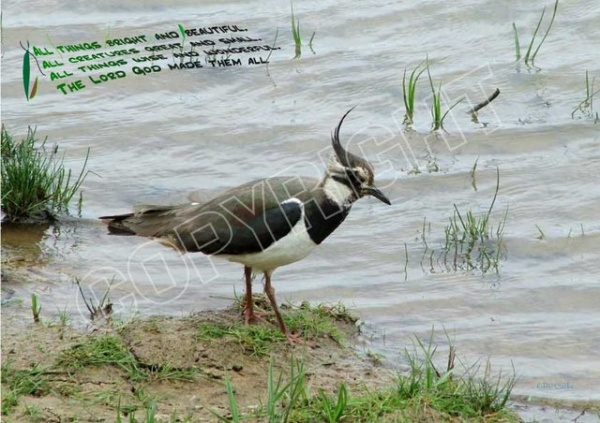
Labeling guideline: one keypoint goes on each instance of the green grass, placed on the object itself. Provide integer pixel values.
(426, 391)
(16, 383)
(436, 104)
(35, 184)
(310, 322)
(109, 350)
(517, 43)
(296, 35)
(471, 241)
(586, 107)
(333, 408)
(36, 308)
(464, 392)
(283, 395)
(531, 54)
(409, 90)
(233, 407)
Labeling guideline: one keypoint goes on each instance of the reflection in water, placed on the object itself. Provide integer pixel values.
(23, 243)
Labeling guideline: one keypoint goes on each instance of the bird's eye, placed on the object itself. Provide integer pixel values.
(354, 177)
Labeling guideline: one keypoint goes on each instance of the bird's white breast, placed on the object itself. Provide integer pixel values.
(291, 248)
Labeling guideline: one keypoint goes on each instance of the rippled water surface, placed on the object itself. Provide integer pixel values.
(188, 134)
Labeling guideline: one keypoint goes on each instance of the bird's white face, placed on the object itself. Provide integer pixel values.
(338, 192)
(345, 184)
(351, 171)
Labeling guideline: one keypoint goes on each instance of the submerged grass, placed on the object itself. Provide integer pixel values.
(530, 55)
(586, 107)
(436, 104)
(426, 393)
(409, 89)
(36, 308)
(35, 183)
(471, 241)
(296, 35)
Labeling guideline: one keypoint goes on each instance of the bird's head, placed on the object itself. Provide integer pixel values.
(351, 171)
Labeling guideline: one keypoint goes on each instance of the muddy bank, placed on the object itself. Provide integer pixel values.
(178, 365)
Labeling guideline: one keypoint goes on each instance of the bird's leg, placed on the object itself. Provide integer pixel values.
(249, 315)
(270, 291)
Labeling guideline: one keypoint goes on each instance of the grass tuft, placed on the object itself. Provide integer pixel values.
(471, 241)
(36, 308)
(109, 350)
(311, 322)
(425, 392)
(586, 107)
(16, 383)
(529, 58)
(35, 184)
(436, 104)
(297, 37)
(466, 395)
(232, 402)
(409, 89)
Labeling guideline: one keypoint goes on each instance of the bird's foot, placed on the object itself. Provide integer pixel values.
(252, 318)
(294, 338)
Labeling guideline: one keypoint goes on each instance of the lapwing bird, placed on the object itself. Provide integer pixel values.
(263, 224)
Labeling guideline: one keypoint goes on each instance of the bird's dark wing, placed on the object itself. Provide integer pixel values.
(222, 234)
(245, 219)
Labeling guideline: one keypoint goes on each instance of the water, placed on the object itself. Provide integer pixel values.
(186, 135)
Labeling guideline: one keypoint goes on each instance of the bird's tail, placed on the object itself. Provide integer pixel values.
(150, 221)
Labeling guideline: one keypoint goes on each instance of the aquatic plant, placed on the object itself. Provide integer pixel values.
(35, 184)
(471, 241)
(36, 308)
(409, 89)
(297, 37)
(529, 58)
(436, 104)
(586, 107)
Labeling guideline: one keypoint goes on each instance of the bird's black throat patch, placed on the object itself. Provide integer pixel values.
(323, 217)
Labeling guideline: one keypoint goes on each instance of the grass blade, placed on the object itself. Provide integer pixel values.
(537, 28)
(547, 31)
(517, 45)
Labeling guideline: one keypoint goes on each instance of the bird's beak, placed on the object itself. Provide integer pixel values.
(374, 191)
